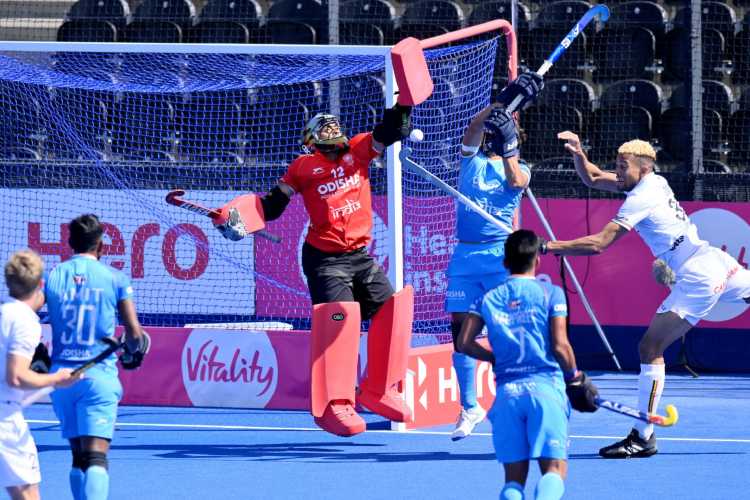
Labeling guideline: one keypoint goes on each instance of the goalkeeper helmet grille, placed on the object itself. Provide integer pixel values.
(311, 135)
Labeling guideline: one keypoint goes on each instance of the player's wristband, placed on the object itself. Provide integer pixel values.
(543, 248)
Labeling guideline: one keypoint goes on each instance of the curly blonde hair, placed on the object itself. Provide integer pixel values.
(637, 147)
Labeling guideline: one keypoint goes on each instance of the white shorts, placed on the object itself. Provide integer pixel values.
(709, 276)
(19, 463)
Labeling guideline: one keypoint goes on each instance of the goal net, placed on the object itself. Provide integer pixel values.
(98, 128)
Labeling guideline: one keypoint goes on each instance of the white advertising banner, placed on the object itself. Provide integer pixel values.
(178, 263)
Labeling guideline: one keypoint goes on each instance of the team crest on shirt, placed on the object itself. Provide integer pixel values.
(79, 280)
(318, 170)
(514, 304)
(348, 159)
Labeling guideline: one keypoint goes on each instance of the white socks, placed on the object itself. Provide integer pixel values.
(650, 387)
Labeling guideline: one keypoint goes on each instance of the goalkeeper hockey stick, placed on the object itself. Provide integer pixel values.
(175, 198)
(114, 346)
(600, 10)
(652, 418)
(449, 190)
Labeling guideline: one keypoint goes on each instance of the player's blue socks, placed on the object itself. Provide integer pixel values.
(512, 491)
(550, 487)
(466, 369)
(96, 483)
(76, 483)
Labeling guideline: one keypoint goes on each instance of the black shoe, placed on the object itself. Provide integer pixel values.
(633, 446)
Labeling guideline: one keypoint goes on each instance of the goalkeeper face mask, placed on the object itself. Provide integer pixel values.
(323, 133)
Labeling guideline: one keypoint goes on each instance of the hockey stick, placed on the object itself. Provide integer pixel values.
(449, 190)
(114, 346)
(652, 418)
(600, 10)
(174, 197)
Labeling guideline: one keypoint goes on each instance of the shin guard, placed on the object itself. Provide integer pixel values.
(334, 349)
(388, 344)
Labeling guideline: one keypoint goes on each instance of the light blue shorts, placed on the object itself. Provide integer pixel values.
(89, 407)
(464, 290)
(530, 420)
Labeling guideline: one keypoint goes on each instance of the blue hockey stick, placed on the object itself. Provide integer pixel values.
(600, 10)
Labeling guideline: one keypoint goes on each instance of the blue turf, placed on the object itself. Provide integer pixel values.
(179, 463)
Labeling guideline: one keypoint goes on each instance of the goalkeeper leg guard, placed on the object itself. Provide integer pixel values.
(334, 348)
(388, 344)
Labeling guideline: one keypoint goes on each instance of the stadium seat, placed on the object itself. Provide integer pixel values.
(542, 41)
(218, 32)
(380, 13)
(643, 93)
(740, 48)
(266, 126)
(310, 12)
(354, 33)
(500, 9)
(621, 53)
(677, 54)
(568, 92)
(562, 13)
(716, 95)
(444, 13)
(716, 167)
(182, 12)
(610, 127)
(675, 134)
(285, 32)
(417, 30)
(87, 30)
(152, 31)
(541, 125)
(115, 11)
(367, 119)
(744, 101)
(715, 15)
(716, 62)
(141, 130)
(22, 123)
(194, 128)
(739, 124)
(648, 15)
(242, 11)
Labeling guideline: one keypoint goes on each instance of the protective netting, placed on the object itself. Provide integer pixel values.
(111, 133)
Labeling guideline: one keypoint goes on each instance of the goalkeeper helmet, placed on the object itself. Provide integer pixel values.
(323, 133)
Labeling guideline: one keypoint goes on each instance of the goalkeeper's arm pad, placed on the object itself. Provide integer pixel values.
(274, 203)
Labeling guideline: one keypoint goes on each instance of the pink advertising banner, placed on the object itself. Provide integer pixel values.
(618, 283)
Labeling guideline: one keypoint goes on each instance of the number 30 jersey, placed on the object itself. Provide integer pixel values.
(82, 296)
(652, 210)
(517, 314)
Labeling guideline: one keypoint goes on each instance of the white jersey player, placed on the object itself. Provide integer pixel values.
(20, 333)
(703, 275)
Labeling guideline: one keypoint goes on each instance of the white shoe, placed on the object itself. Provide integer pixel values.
(467, 420)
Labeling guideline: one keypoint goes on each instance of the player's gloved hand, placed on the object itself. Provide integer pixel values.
(396, 125)
(582, 392)
(233, 229)
(41, 362)
(528, 86)
(133, 353)
(501, 133)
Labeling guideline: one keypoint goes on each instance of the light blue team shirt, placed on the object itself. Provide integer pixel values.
(82, 296)
(480, 247)
(517, 314)
(483, 181)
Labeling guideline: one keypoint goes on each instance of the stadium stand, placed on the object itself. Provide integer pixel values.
(87, 30)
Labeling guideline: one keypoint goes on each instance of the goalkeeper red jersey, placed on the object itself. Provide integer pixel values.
(337, 195)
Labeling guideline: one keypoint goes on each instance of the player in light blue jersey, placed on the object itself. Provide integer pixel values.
(492, 176)
(534, 367)
(84, 298)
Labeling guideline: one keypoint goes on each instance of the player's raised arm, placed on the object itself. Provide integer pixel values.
(473, 135)
(501, 139)
(590, 174)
